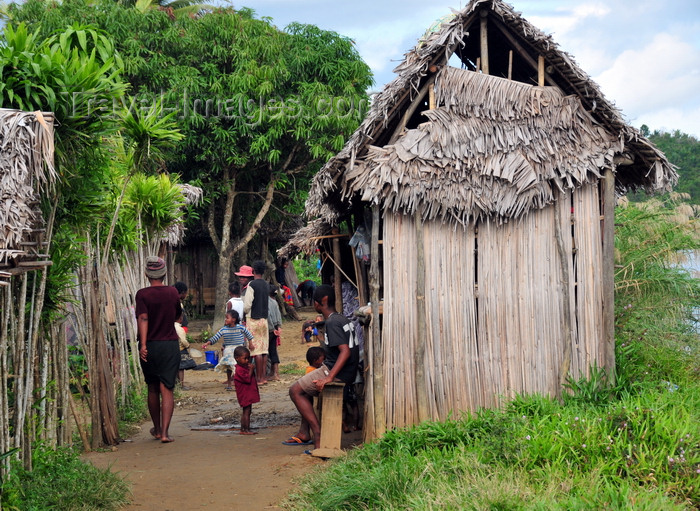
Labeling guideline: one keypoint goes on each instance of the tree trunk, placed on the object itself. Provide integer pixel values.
(227, 249)
(223, 248)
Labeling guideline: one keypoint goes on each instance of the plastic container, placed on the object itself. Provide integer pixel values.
(212, 357)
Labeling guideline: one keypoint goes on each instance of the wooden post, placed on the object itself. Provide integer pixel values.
(540, 71)
(378, 369)
(608, 232)
(336, 271)
(510, 65)
(484, 42)
(421, 338)
(331, 421)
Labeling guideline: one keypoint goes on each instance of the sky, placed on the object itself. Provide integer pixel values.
(644, 54)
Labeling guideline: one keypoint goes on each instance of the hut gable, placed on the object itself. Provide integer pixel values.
(494, 147)
(26, 169)
(488, 113)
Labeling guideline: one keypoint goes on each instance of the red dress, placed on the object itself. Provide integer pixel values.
(246, 386)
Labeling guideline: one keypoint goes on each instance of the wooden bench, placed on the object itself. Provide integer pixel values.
(330, 411)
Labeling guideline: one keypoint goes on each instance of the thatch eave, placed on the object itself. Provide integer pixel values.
(305, 239)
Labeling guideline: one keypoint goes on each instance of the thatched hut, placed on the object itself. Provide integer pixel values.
(26, 168)
(491, 164)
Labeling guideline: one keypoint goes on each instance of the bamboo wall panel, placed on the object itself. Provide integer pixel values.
(452, 352)
(399, 323)
(520, 305)
(497, 299)
(589, 290)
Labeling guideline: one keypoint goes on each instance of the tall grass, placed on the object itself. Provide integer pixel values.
(60, 480)
(634, 445)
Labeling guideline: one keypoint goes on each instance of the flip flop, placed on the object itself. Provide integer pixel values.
(229, 388)
(297, 441)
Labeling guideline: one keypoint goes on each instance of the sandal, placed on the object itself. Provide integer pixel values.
(229, 388)
(295, 440)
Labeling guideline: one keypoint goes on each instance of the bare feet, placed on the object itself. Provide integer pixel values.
(167, 440)
(155, 435)
(248, 432)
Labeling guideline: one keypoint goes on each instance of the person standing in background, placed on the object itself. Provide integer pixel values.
(157, 309)
(256, 307)
(274, 325)
(182, 291)
(235, 301)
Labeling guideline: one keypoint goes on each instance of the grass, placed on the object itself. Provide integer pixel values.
(60, 480)
(631, 445)
(292, 369)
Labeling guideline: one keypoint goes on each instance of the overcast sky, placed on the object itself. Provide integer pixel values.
(644, 54)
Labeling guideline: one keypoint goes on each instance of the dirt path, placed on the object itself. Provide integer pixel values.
(210, 465)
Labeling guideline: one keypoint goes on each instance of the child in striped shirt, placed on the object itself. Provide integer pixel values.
(233, 334)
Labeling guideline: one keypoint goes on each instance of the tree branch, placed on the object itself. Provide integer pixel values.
(243, 241)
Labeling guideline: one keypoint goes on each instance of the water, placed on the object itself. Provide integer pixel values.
(693, 264)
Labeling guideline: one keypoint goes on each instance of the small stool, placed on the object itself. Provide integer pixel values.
(330, 406)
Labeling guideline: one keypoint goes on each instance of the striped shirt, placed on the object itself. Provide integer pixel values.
(232, 335)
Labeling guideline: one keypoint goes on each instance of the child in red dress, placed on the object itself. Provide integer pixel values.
(246, 387)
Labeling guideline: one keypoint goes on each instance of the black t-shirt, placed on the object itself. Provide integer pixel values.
(339, 330)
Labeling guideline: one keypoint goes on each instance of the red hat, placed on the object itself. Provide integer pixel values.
(245, 271)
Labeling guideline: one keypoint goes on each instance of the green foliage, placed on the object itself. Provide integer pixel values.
(66, 73)
(256, 105)
(682, 150)
(305, 268)
(134, 410)
(60, 480)
(291, 369)
(655, 297)
(155, 201)
(594, 389)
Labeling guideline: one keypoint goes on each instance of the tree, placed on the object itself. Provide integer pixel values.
(261, 109)
(682, 150)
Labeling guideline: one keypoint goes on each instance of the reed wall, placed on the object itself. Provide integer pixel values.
(498, 299)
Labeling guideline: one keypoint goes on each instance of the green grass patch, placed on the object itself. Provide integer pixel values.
(60, 480)
(292, 369)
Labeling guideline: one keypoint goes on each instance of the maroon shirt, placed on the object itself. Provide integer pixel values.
(162, 304)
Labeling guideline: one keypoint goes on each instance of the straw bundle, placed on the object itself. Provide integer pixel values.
(26, 168)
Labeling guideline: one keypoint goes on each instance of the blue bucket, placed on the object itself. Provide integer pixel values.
(212, 357)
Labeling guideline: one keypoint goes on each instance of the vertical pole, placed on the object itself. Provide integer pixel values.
(510, 65)
(378, 369)
(484, 42)
(336, 271)
(421, 338)
(608, 232)
(540, 71)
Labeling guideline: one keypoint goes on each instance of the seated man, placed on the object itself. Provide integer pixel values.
(342, 358)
